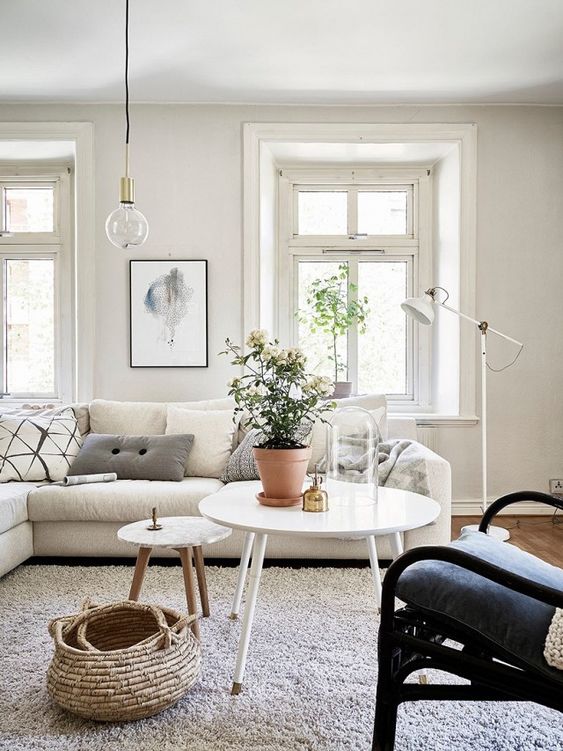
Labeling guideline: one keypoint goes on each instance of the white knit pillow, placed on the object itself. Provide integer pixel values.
(553, 651)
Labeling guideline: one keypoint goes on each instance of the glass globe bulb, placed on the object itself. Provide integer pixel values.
(127, 226)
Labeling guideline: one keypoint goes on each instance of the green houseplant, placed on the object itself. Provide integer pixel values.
(276, 396)
(332, 308)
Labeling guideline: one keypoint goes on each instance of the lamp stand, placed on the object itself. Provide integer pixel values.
(500, 533)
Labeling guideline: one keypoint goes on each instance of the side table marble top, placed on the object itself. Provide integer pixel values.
(176, 532)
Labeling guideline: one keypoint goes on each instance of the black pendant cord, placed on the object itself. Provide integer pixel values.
(127, 71)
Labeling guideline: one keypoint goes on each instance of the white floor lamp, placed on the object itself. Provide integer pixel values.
(422, 310)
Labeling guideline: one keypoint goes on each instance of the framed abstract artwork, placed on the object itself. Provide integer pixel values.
(168, 302)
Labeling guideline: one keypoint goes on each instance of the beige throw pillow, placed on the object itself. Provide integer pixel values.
(213, 432)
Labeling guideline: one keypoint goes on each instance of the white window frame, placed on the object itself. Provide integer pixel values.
(82, 311)
(463, 136)
(414, 247)
(54, 246)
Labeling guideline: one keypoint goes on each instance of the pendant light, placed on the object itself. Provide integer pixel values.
(127, 226)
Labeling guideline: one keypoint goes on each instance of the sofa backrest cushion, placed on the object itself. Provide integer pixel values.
(141, 418)
(157, 457)
(213, 431)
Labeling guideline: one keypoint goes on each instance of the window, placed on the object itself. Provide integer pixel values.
(35, 279)
(367, 224)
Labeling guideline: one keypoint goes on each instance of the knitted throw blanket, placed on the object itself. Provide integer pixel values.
(553, 651)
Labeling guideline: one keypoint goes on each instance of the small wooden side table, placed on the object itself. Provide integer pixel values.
(186, 535)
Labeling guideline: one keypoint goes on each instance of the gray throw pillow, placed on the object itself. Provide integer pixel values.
(134, 457)
(242, 466)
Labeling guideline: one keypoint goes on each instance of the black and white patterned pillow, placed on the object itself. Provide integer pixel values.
(242, 466)
(38, 448)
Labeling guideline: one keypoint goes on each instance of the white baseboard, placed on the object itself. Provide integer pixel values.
(472, 507)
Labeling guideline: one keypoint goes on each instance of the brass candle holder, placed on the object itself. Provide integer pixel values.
(315, 499)
(155, 525)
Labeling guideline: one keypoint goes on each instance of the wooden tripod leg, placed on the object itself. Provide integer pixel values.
(186, 558)
(201, 581)
(143, 556)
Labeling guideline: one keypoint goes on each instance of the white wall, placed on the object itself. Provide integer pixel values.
(187, 163)
(268, 239)
(445, 273)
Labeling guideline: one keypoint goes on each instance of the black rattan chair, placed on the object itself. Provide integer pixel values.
(490, 598)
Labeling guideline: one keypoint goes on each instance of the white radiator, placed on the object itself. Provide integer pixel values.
(427, 436)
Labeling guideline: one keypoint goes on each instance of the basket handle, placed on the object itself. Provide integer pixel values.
(56, 626)
(185, 620)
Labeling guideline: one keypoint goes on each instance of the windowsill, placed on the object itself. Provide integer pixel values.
(437, 420)
(19, 402)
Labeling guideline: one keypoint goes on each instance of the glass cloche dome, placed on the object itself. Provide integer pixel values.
(352, 457)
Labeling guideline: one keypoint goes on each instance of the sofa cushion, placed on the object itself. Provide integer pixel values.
(515, 622)
(213, 432)
(13, 504)
(141, 418)
(38, 447)
(120, 501)
(134, 457)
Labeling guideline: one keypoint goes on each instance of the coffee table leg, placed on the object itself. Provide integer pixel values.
(143, 555)
(186, 558)
(254, 583)
(396, 544)
(375, 573)
(243, 568)
(201, 580)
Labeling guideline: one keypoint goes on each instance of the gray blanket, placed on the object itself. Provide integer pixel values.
(403, 464)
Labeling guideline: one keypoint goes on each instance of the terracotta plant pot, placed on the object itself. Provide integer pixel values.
(282, 472)
(342, 389)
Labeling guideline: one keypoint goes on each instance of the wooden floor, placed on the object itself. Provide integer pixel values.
(540, 535)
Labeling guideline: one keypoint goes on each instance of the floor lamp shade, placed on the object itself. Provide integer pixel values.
(420, 308)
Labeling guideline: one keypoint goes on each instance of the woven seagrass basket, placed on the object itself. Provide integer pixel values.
(122, 661)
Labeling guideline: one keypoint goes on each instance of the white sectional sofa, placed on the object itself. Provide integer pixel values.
(49, 520)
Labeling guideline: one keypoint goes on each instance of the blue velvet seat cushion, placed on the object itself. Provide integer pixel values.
(515, 622)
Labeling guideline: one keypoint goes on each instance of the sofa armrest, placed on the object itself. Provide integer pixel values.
(440, 485)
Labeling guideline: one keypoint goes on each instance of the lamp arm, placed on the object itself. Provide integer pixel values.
(478, 323)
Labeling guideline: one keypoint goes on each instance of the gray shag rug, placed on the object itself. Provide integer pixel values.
(309, 684)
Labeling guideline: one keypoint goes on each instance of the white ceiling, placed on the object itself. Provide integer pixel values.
(285, 51)
(288, 153)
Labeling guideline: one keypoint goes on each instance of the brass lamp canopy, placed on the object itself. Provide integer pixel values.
(315, 499)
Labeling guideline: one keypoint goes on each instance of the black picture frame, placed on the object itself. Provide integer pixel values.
(157, 269)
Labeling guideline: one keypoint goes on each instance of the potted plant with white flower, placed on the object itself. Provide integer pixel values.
(277, 397)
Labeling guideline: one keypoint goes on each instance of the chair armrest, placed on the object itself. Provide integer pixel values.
(521, 495)
(447, 554)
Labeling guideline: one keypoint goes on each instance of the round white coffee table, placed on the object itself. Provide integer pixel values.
(235, 506)
(185, 534)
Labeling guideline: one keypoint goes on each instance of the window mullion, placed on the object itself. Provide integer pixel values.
(352, 211)
(352, 340)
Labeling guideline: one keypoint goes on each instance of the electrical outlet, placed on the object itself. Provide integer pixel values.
(556, 487)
